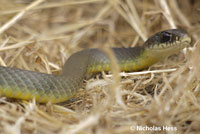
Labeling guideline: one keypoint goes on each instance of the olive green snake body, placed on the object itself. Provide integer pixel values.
(27, 85)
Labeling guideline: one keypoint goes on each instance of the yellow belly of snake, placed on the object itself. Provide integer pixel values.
(27, 85)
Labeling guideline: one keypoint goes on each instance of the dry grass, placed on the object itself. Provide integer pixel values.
(40, 35)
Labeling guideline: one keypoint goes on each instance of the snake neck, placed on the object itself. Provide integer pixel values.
(140, 60)
(93, 61)
(128, 59)
(148, 58)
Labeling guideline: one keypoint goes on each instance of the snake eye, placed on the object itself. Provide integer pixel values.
(165, 37)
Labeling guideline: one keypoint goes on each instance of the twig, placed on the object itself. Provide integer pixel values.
(145, 72)
(19, 16)
(167, 13)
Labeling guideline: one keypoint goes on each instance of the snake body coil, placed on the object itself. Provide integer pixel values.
(23, 84)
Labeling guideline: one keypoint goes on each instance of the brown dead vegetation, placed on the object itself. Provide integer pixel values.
(40, 35)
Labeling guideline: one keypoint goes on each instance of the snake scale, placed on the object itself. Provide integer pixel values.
(27, 85)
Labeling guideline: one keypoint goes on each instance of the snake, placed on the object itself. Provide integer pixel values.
(28, 85)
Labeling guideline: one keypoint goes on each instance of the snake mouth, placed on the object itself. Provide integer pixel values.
(168, 41)
(174, 46)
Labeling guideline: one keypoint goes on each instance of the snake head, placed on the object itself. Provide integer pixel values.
(168, 41)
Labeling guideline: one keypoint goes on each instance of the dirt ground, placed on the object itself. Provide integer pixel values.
(40, 35)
